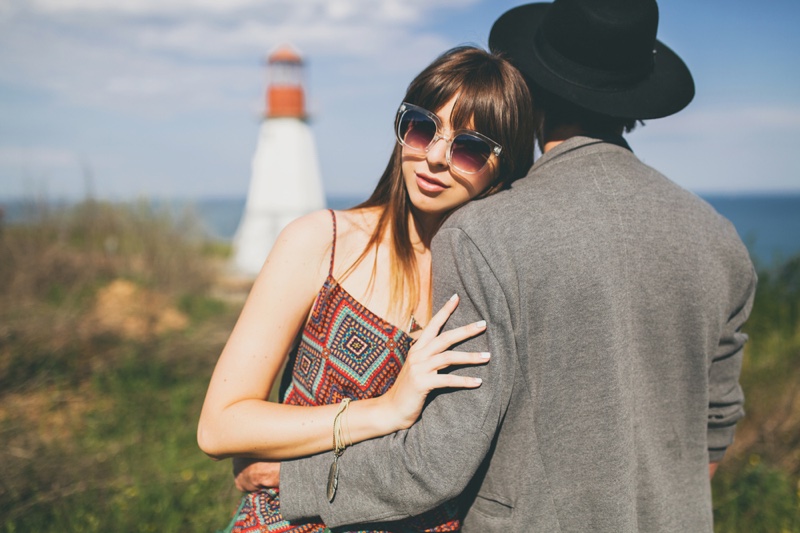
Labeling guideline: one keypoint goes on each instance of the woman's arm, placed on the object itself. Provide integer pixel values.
(236, 420)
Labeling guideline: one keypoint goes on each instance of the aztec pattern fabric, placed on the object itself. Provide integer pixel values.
(345, 351)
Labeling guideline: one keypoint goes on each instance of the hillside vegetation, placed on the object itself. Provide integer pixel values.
(112, 317)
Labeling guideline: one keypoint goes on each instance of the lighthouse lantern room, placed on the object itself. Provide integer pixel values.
(285, 91)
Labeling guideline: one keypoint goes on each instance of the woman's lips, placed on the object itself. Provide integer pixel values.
(427, 183)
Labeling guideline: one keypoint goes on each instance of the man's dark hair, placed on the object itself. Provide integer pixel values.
(551, 111)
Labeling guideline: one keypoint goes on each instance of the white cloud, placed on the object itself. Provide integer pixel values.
(730, 149)
(36, 157)
(716, 121)
(386, 10)
(340, 9)
(162, 56)
(772, 117)
(140, 7)
(77, 71)
(316, 38)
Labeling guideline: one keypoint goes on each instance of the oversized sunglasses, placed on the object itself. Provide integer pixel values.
(467, 151)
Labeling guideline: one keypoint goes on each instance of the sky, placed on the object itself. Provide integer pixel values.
(124, 99)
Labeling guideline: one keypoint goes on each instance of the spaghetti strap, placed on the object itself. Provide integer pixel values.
(333, 245)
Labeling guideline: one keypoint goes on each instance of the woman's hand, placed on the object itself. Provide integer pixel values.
(429, 354)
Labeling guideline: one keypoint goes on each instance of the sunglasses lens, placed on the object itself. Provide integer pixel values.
(469, 153)
(416, 130)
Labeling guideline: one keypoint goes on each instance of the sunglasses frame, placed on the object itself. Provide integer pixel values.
(494, 147)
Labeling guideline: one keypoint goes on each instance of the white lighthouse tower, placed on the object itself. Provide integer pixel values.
(285, 182)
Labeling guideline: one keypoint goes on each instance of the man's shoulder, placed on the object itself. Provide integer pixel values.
(485, 212)
(504, 204)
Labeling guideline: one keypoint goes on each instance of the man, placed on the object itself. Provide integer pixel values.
(614, 302)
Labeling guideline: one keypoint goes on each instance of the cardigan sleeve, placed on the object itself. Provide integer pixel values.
(412, 471)
(725, 396)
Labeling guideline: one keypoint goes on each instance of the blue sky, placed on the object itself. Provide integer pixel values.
(162, 98)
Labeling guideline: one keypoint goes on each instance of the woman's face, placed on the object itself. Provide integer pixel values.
(433, 186)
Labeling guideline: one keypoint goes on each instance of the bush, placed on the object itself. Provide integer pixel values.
(99, 403)
(757, 487)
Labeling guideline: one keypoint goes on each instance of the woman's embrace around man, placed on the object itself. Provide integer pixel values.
(610, 300)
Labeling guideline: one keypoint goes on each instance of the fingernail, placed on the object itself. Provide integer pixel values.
(485, 355)
(480, 324)
(477, 381)
(454, 297)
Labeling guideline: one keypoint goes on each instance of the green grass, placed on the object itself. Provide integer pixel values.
(757, 498)
(757, 487)
(133, 464)
(97, 429)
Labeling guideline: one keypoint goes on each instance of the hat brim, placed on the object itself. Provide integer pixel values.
(668, 89)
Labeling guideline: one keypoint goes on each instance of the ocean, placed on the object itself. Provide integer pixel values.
(769, 224)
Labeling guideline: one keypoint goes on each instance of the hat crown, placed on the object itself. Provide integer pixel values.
(601, 55)
(610, 35)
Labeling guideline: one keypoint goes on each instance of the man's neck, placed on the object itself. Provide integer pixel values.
(560, 134)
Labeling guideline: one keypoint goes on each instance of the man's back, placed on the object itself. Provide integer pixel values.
(624, 294)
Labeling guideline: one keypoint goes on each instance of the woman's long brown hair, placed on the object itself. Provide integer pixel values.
(494, 100)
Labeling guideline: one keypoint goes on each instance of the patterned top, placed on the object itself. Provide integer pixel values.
(346, 351)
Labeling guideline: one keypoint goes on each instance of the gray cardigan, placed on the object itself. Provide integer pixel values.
(614, 301)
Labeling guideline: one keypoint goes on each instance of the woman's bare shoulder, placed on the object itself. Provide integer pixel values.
(358, 219)
(354, 228)
(312, 231)
(311, 236)
(306, 241)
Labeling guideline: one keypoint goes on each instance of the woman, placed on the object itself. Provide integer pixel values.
(459, 138)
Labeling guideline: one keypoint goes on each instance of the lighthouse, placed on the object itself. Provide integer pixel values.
(285, 181)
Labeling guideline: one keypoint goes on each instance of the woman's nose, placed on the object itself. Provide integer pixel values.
(437, 153)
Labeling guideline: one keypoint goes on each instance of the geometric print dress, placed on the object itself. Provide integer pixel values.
(345, 351)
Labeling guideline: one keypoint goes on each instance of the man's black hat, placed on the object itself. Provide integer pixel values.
(601, 55)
